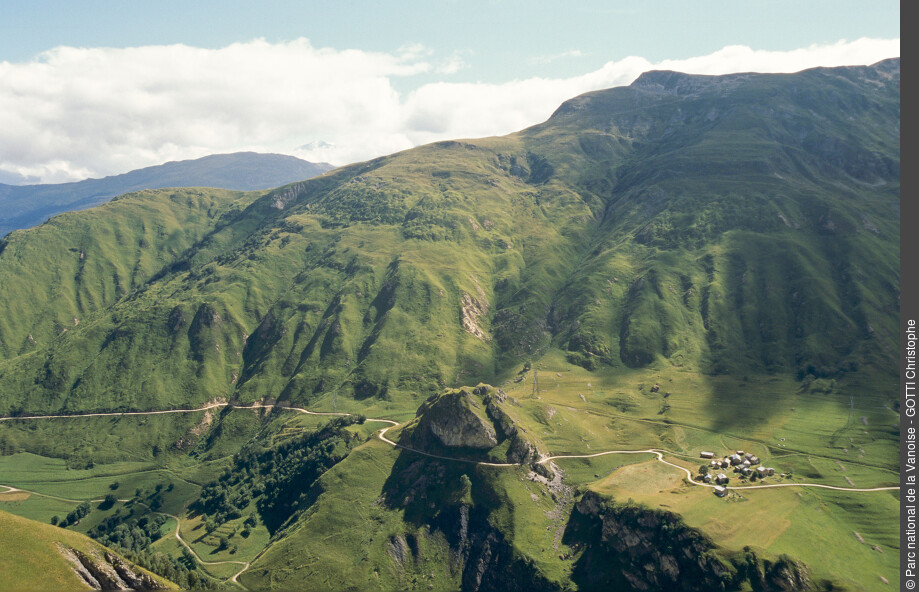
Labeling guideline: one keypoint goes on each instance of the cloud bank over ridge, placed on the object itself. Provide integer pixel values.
(73, 113)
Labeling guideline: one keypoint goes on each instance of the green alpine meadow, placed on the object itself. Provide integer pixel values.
(511, 363)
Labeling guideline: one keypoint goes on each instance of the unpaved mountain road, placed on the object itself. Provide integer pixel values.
(392, 424)
(659, 454)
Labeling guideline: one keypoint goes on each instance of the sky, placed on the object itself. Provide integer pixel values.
(95, 88)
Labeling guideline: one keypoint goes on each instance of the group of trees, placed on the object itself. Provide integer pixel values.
(74, 516)
(132, 536)
(183, 572)
(276, 477)
(129, 532)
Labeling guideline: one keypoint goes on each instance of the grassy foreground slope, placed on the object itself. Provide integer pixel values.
(727, 225)
(33, 557)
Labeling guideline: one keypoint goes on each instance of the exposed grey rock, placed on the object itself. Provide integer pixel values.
(107, 571)
(136, 580)
(398, 549)
(78, 567)
(456, 419)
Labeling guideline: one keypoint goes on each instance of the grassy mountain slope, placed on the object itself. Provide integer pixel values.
(34, 557)
(735, 224)
(688, 263)
(62, 272)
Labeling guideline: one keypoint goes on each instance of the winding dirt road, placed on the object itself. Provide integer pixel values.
(660, 457)
(205, 408)
(659, 454)
(392, 424)
(382, 436)
(178, 536)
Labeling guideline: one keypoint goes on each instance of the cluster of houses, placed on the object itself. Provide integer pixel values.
(741, 462)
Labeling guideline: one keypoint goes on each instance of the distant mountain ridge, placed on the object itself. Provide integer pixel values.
(24, 206)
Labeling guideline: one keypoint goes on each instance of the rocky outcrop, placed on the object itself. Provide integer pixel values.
(398, 549)
(523, 449)
(472, 313)
(108, 571)
(477, 418)
(135, 579)
(782, 575)
(456, 419)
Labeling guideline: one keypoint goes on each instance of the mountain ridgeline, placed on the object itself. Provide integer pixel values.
(25, 206)
(738, 224)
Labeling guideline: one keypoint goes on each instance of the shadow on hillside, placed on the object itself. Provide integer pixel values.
(739, 407)
(424, 488)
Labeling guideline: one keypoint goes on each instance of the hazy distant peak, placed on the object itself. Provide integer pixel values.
(22, 206)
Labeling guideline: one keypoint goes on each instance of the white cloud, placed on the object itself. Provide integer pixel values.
(549, 58)
(452, 64)
(76, 112)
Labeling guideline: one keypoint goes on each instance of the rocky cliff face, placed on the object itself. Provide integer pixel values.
(487, 559)
(628, 547)
(635, 548)
(459, 524)
(524, 448)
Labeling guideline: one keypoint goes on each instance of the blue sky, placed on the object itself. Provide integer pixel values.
(499, 39)
(405, 58)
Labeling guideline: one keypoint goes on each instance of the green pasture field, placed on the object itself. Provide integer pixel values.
(816, 526)
(572, 412)
(207, 545)
(35, 507)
